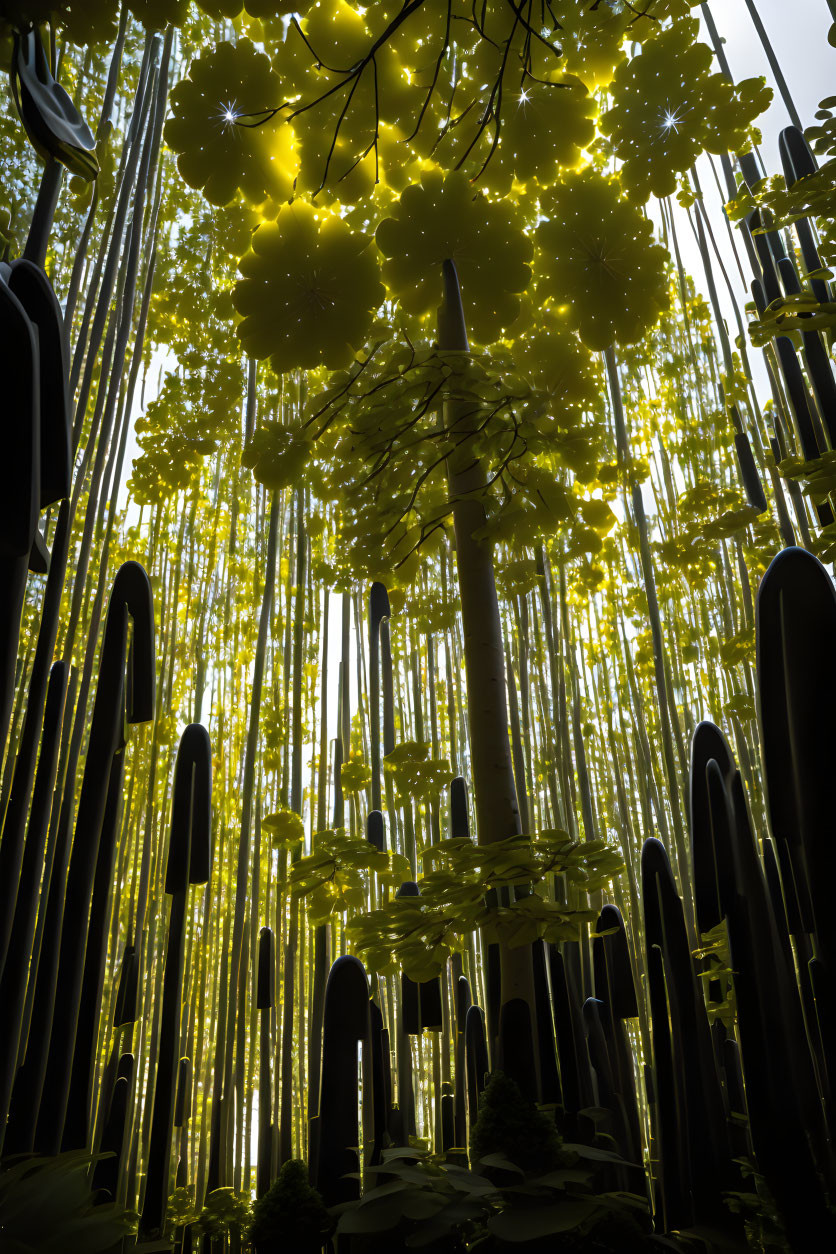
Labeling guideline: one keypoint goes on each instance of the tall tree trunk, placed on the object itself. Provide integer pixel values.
(495, 794)
(497, 812)
(286, 1119)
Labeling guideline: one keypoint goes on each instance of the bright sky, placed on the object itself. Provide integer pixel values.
(798, 31)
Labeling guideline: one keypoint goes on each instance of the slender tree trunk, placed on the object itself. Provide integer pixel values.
(223, 1091)
(497, 812)
(289, 993)
(495, 795)
(774, 65)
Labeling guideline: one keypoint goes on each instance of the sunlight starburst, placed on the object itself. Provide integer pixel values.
(671, 119)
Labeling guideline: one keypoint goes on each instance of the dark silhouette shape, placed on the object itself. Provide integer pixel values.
(265, 1000)
(55, 128)
(74, 990)
(189, 857)
(345, 1022)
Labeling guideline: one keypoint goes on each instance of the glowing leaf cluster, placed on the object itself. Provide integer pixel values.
(285, 827)
(309, 288)
(419, 933)
(668, 108)
(442, 218)
(597, 255)
(232, 84)
(337, 876)
(415, 773)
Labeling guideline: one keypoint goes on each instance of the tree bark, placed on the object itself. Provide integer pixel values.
(497, 812)
(495, 794)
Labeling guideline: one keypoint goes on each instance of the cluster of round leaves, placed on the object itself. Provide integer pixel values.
(705, 515)
(593, 36)
(343, 107)
(592, 39)
(223, 1215)
(336, 876)
(82, 21)
(189, 313)
(543, 126)
(668, 108)
(546, 129)
(94, 21)
(441, 219)
(157, 14)
(562, 264)
(219, 128)
(309, 288)
(552, 356)
(241, 126)
(311, 284)
(430, 609)
(419, 933)
(194, 412)
(414, 773)
(277, 455)
(597, 254)
(86, 22)
(285, 827)
(355, 774)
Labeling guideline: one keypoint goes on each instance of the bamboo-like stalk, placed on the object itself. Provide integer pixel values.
(774, 64)
(248, 785)
(289, 989)
(656, 630)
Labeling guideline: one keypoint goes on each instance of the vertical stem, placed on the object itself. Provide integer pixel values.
(45, 206)
(247, 797)
(497, 812)
(774, 66)
(656, 634)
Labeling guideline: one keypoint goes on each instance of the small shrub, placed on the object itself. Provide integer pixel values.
(291, 1216)
(510, 1125)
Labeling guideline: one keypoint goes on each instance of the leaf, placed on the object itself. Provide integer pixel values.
(595, 1155)
(499, 1160)
(379, 1216)
(382, 1190)
(421, 1204)
(285, 827)
(355, 775)
(542, 1221)
(741, 705)
(394, 1152)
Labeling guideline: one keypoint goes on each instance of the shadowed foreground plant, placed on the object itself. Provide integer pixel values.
(513, 1127)
(46, 1207)
(557, 1204)
(291, 1217)
(438, 1206)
